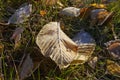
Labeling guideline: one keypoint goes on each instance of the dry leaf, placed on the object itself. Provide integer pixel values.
(84, 12)
(49, 2)
(86, 46)
(114, 48)
(42, 13)
(113, 68)
(93, 61)
(21, 14)
(97, 16)
(107, 19)
(54, 43)
(70, 11)
(26, 67)
(17, 35)
(96, 5)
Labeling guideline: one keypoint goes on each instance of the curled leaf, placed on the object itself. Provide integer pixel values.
(21, 14)
(54, 43)
(114, 48)
(17, 35)
(97, 16)
(107, 19)
(86, 46)
(70, 11)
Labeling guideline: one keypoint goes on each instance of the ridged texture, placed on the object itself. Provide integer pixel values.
(86, 46)
(54, 43)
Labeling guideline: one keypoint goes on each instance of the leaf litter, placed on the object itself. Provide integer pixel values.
(59, 49)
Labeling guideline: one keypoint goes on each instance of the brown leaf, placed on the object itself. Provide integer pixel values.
(54, 43)
(113, 47)
(49, 2)
(98, 16)
(17, 35)
(86, 46)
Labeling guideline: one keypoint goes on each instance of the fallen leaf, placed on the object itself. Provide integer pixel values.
(26, 67)
(86, 46)
(54, 43)
(96, 5)
(97, 16)
(113, 68)
(84, 12)
(70, 11)
(21, 14)
(107, 19)
(17, 35)
(113, 47)
(49, 2)
(42, 13)
(108, 1)
(93, 61)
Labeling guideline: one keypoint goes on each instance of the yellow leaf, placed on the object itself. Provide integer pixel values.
(42, 12)
(98, 5)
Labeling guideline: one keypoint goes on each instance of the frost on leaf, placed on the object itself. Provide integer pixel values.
(54, 43)
(86, 46)
(21, 14)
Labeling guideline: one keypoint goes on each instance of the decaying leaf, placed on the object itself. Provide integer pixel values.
(54, 43)
(21, 14)
(113, 68)
(97, 16)
(70, 12)
(17, 35)
(86, 46)
(113, 47)
(26, 67)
